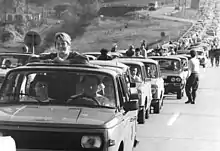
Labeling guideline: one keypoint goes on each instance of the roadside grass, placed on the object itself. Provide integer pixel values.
(112, 31)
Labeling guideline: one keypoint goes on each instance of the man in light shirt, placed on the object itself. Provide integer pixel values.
(192, 82)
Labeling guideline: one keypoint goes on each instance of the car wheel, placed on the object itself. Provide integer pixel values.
(157, 107)
(179, 94)
(141, 116)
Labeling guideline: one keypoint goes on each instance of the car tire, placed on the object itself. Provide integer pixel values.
(157, 107)
(179, 94)
(141, 116)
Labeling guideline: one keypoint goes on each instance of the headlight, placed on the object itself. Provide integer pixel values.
(173, 79)
(178, 79)
(91, 142)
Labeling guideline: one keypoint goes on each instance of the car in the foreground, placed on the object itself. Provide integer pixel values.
(65, 122)
(144, 89)
(157, 83)
(173, 74)
(10, 60)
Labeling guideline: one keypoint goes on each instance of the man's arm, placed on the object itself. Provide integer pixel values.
(189, 67)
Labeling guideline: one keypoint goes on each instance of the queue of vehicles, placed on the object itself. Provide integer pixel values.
(112, 126)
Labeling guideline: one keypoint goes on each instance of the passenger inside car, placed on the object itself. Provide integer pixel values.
(134, 75)
(108, 90)
(39, 90)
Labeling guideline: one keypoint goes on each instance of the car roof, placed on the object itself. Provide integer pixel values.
(130, 61)
(140, 59)
(164, 57)
(112, 63)
(16, 54)
(51, 66)
(180, 56)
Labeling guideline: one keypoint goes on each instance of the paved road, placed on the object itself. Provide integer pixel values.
(186, 127)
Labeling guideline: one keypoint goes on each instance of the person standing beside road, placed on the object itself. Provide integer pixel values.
(192, 82)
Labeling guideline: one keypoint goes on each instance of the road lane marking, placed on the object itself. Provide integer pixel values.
(173, 119)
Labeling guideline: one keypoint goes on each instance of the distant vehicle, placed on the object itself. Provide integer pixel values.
(10, 60)
(157, 82)
(173, 74)
(96, 54)
(143, 86)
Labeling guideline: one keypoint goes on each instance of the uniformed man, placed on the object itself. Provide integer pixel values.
(192, 82)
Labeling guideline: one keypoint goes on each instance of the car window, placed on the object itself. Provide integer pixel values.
(12, 61)
(58, 87)
(151, 70)
(169, 64)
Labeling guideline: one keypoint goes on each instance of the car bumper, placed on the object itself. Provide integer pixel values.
(173, 87)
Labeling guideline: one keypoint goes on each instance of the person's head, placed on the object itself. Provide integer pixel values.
(131, 51)
(109, 91)
(62, 42)
(90, 84)
(104, 51)
(137, 52)
(8, 63)
(133, 71)
(41, 86)
(193, 53)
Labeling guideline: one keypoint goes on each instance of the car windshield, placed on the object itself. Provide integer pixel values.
(151, 70)
(55, 87)
(12, 61)
(136, 75)
(169, 64)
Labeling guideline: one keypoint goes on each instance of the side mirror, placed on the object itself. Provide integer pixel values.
(132, 85)
(134, 94)
(131, 106)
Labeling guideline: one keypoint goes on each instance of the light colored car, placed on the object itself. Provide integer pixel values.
(184, 61)
(173, 74)
(157, 83)
(68, 119)
(144, 88)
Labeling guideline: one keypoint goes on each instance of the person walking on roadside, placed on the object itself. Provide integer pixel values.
(192, 82)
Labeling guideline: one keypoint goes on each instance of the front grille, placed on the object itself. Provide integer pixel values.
(46, 140)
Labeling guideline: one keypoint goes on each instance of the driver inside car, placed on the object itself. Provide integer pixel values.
(90, 85)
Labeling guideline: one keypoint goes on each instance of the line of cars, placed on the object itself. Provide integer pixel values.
(58, 124)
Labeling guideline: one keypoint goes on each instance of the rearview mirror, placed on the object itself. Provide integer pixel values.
(132, 85)
(131, 106)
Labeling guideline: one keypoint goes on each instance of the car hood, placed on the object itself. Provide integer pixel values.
(56, 114)
(166, 73)
(3, 72)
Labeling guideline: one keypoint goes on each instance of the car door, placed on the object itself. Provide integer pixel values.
(129, 118)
